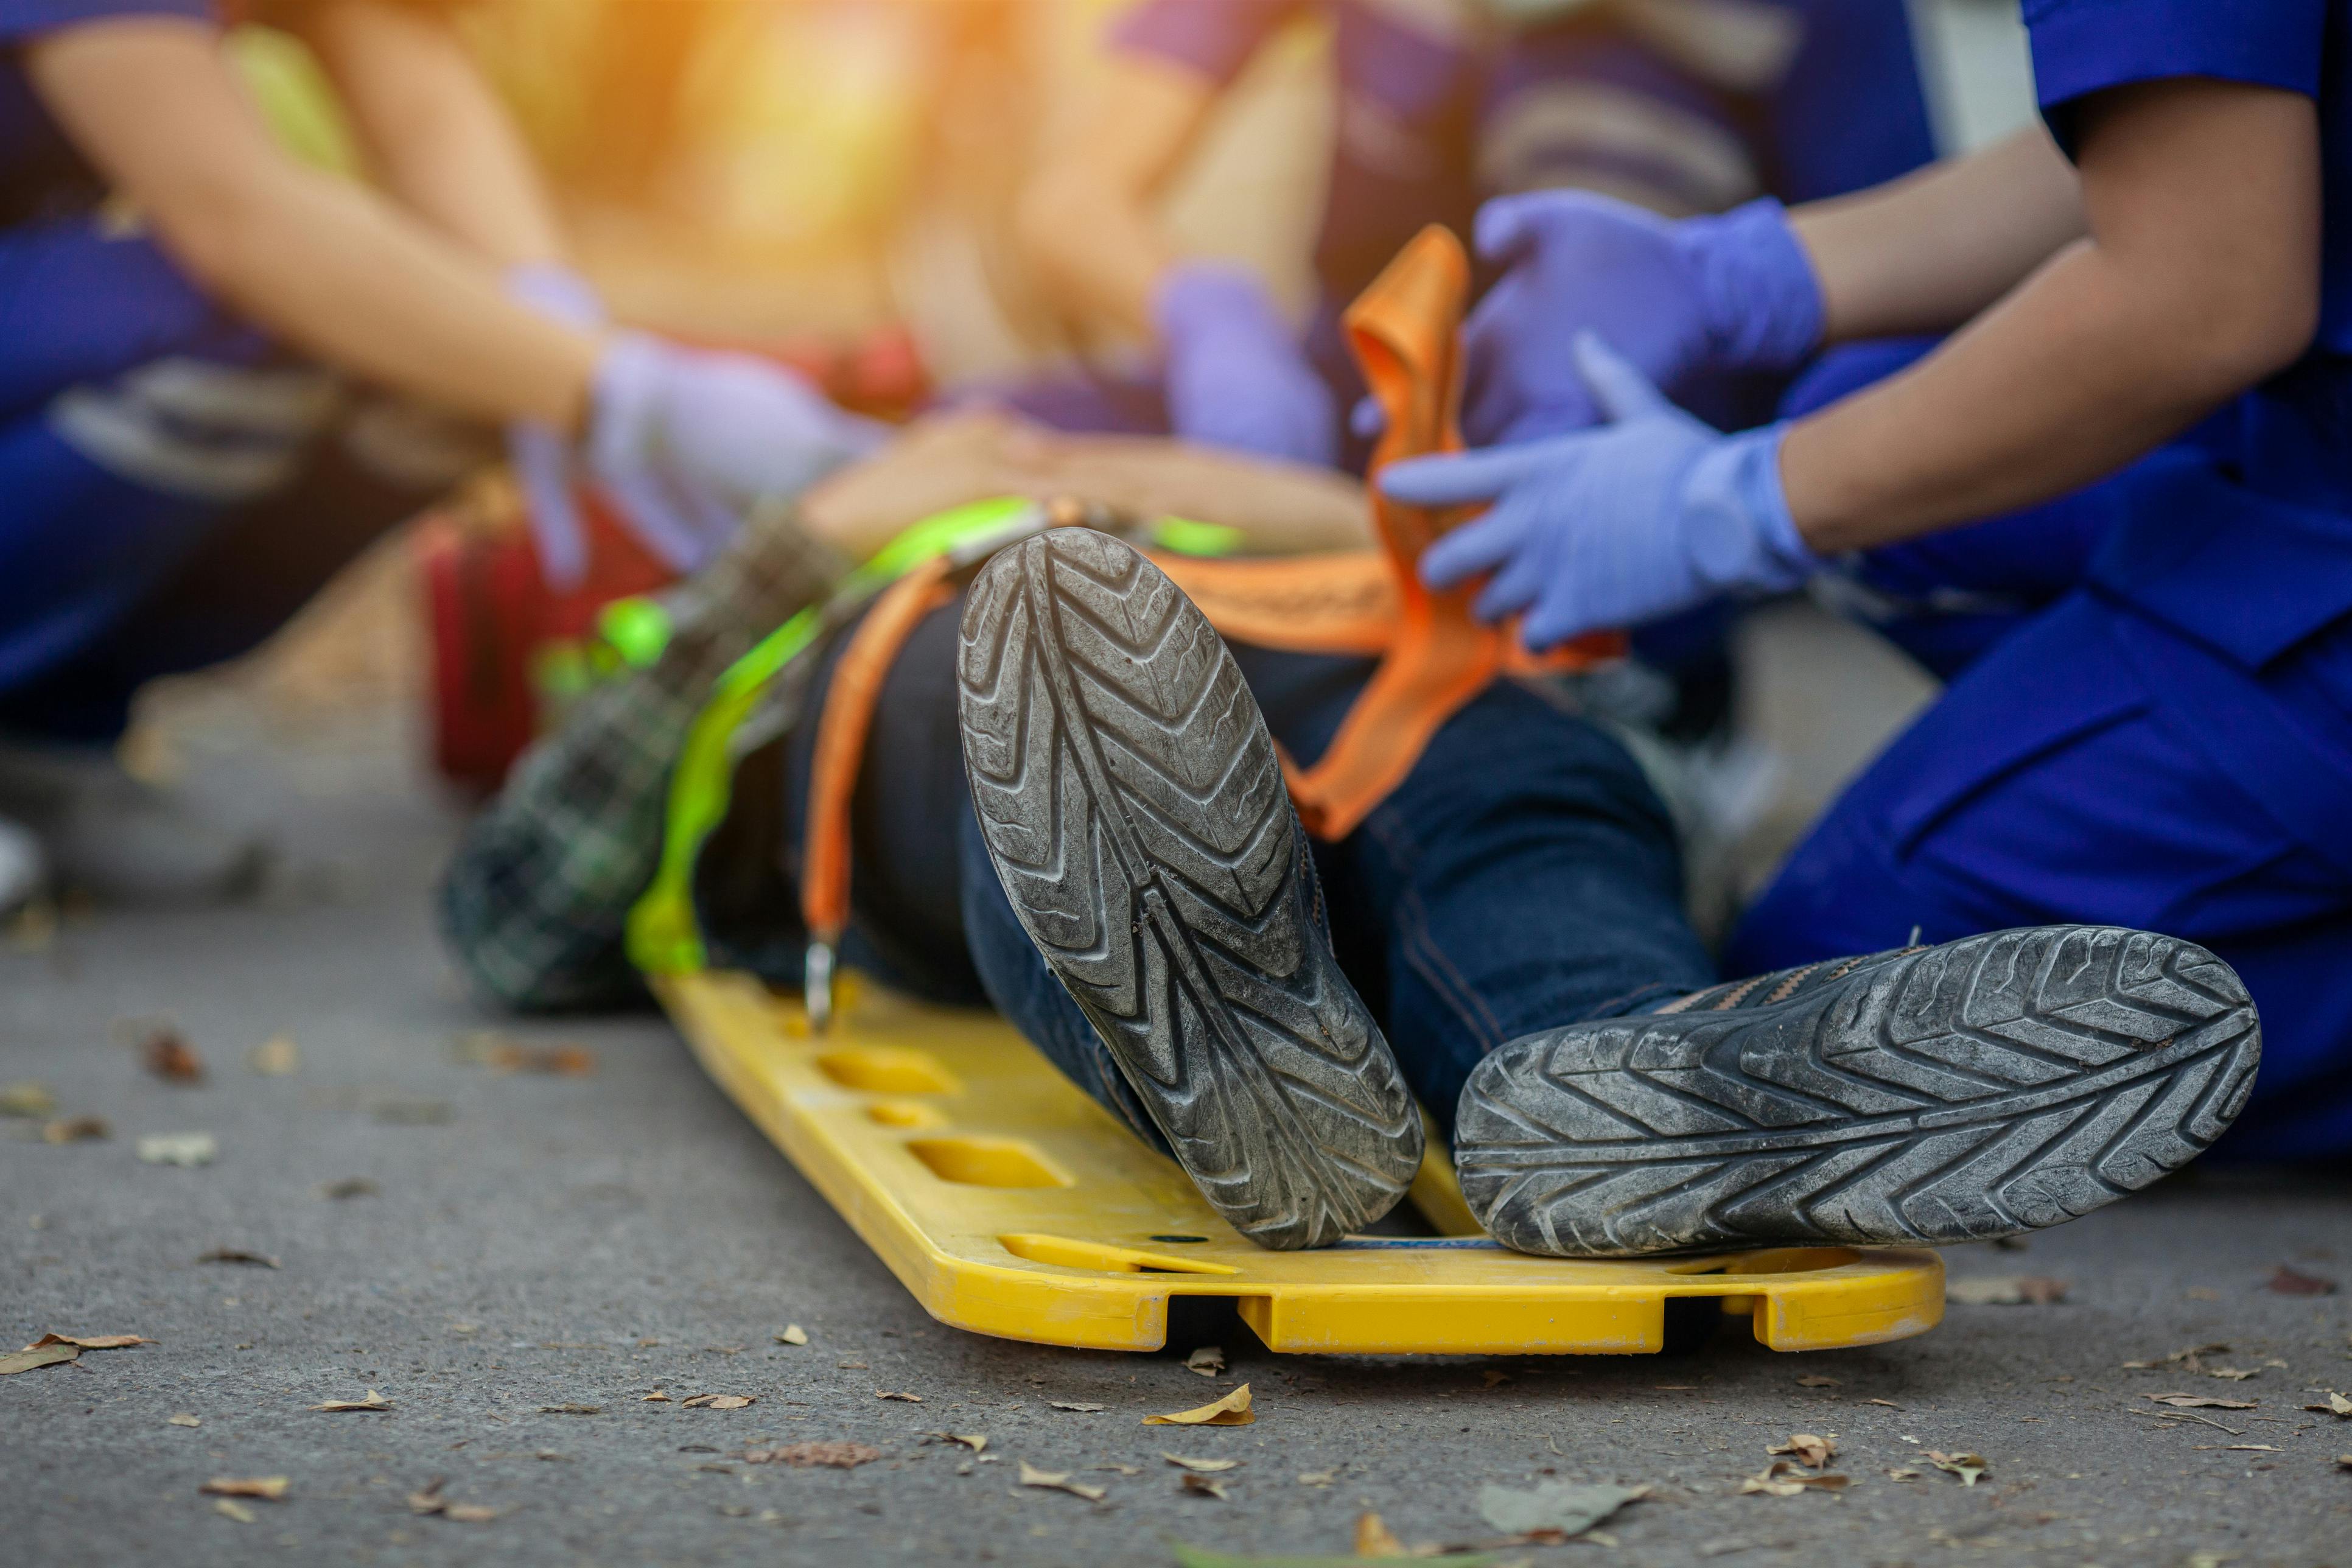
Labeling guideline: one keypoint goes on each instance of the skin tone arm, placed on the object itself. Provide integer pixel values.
(332, 268)
(440, 142)
(2196, 275)
(1086, 219)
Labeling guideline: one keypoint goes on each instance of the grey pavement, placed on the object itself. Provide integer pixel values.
(532, 1242)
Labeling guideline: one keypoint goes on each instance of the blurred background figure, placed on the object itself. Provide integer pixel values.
(1680, 106)
(261, 296)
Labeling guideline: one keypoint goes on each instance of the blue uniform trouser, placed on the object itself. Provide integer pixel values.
(1524, 875)
(175, 486)
(2126, 738)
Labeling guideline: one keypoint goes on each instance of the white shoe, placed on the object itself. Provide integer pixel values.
(119, 839)
(23, 869)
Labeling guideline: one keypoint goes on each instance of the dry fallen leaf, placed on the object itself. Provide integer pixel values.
(1317, 1478)
(718, 1402)
(185, 1419)
(904, 1398)
(1058, 1482)
(91, 1341)
(562, 1061)
(167, 1055)
(346, 1187)
(656, 1397)
(794, 1335)
(2337, 1406)
(374, 1400)
(36, 1356)
(429, 1500)
(237, 1255)
(270, 1488)
(1122, 1469)
(2201, 1402)
(233, 1509)
(2187, 1356)
(1813, 1451)
(1969, 1467)
(2005, 1291)
(976, 1441)
(26, 1099)
(1903, 1474)
(569, 1409)
(2288, 1281)
(1202, 1486)
(1815, 1380)
(1232, 1410)
(75, 1130)
(1375, 1538)
(186, 1149)
(2233, 1373)
(1785, 1479)
(1553, 1510)
(274, 1058)
(1207, 1360)
(1206, 1466)
(1080, 1405)
(1493, 1377)
(836, 1456)
(1889, 1402)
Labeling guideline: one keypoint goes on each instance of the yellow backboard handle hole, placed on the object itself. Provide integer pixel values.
(887, 1069)
(986, 1162)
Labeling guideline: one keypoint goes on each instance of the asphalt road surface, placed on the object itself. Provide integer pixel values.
(494, 1251)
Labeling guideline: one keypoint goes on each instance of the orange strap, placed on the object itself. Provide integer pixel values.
(840, 731)
(1406, 331)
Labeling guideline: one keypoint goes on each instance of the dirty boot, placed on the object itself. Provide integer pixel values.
(1943, 1094)
(1132, 802)
(118, 838)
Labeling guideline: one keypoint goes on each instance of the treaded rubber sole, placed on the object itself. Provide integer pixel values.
(1133, 804)
(1973, 1090)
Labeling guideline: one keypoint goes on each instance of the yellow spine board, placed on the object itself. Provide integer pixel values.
(1009, 1204)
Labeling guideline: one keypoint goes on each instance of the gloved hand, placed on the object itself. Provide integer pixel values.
(688, 440)
(538, 454)
(1653, 513)
(1235, 376)
(1733, 292)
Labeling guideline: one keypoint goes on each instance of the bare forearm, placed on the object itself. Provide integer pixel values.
(339, 275)
(1087, 220)
(2198, 278)
(1927, 253)
(440, 143)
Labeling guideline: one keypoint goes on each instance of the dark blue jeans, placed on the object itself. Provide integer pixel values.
(1524, 875)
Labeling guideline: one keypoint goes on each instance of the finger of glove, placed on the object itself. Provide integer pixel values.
(1475, 547)
(1508, 227)
(1462, 478)
(1519, 583)
(1619, 388)
(541, 461)
(1565, 610)
(670, 532)
(1367, 419)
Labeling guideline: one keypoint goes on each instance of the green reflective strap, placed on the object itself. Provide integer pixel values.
(1186, 537)
(637, 628)
(664, 937)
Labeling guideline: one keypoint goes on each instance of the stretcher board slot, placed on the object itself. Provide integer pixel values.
(1021, 1208)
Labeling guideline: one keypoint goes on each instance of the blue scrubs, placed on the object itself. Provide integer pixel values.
(172, 493)
(2149, 718)
(1441, 106)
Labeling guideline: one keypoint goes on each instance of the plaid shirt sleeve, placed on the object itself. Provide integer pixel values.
(535, 901)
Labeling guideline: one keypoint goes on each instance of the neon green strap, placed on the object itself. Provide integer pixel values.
(664, 937)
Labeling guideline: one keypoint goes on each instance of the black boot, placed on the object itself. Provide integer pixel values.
(1963, 1092)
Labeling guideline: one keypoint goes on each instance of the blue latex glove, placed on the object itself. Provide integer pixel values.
(1733, 292)
(689, 441)
(538, 454)
(1235, 376)
(1653, 513)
